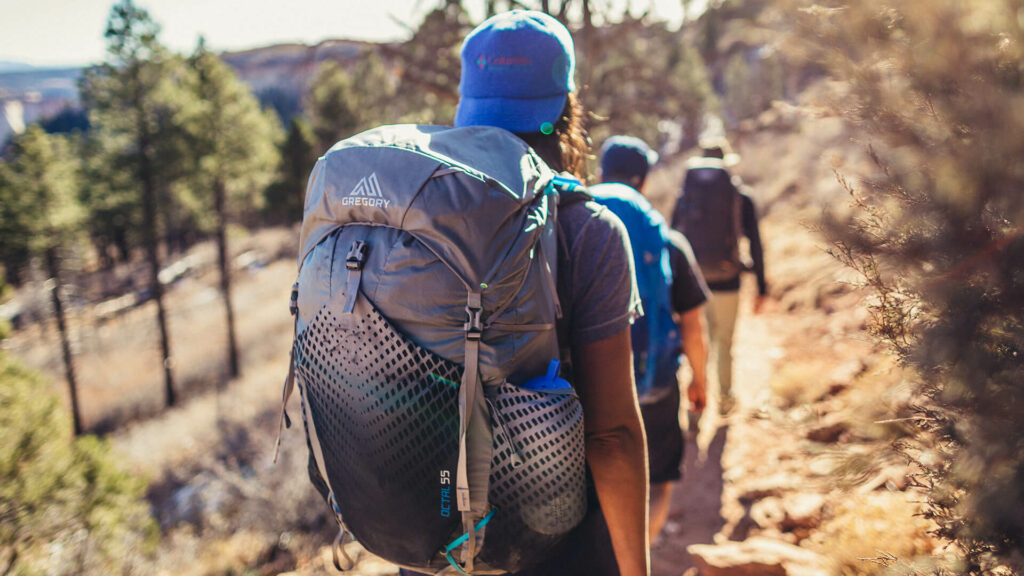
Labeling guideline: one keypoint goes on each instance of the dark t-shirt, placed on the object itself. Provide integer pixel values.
(688, 287)
(596, 283)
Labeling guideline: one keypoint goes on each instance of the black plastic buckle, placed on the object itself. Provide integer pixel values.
(474, 327)
(356, 255)
(293, 304)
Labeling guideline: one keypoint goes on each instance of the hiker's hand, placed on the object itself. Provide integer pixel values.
(697, 394)
(759, 302)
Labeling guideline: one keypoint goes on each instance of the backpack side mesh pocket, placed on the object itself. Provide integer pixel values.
(538, 471)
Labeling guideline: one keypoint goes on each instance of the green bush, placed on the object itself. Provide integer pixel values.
(5, 325)
(66, 505)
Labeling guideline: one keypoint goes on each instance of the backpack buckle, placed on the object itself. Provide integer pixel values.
(356, 256)
(293, 303)
(474, 326)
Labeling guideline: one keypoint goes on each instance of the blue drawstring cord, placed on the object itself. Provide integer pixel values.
(461, 539)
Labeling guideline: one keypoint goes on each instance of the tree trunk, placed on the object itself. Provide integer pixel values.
(589, 47)
(53, 264)
(149, 232)
(220, 202)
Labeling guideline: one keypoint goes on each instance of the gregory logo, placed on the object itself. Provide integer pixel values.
(366, 193)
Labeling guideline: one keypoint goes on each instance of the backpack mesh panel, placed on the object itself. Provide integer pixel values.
(544, 496)
(386, 412)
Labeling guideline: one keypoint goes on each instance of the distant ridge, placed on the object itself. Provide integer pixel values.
(278, 74)
(11, 66)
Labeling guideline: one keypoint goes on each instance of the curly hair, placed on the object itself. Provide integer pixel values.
(567, 147)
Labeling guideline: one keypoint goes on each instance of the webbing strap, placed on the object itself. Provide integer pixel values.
(314, 441)
(467, 401)
(338, 547)
(466, 537)
(289, 386)
(354, 264)
(469, 546)
(289, 381)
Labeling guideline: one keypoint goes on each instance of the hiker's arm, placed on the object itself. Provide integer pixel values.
(689, 293)
(695, 344)
(616, 449)
(750, 230)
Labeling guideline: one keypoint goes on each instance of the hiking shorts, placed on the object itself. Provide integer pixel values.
(664, 436)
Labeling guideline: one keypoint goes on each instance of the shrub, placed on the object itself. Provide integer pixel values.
(937, 88)
(66, 505)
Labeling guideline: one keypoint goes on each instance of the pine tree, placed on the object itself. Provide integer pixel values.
(108, 194)
(332, 105)
(134, 98)
(429, 66)
(285, 197)
(644, 74)
(41, 181)
(233, 154)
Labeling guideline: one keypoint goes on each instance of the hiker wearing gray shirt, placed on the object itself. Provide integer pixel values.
(595, 282)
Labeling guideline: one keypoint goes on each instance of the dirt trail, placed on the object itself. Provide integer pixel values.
(701, 512)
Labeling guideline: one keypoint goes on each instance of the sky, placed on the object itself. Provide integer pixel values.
(70, 32)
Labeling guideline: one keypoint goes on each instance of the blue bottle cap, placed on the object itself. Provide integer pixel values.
(549, 381)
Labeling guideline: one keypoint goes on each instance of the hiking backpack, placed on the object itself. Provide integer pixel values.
(708, 213)
(426, 356)
(655, 335)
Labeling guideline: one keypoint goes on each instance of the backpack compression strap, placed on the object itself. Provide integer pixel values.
(467, 400)
(570, 190)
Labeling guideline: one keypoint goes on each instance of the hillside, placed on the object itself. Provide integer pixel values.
(277, 74)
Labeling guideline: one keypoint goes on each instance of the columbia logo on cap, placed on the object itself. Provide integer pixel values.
(484, 62)
(517, 72)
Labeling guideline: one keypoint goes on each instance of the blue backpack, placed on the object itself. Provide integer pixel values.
(656, 342)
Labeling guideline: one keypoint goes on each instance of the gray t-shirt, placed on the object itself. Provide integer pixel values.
(596, 280)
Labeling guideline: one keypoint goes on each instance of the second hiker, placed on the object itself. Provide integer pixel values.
(670, 285)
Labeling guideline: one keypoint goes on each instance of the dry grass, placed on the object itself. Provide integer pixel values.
(795, 383)
(117, 360)
(223, 506)
(868, 526)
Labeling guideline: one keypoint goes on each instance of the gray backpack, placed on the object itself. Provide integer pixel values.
(708, 213)
(440, 432)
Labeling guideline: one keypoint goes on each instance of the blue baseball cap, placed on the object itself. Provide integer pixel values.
(517, 72)
(627, 156)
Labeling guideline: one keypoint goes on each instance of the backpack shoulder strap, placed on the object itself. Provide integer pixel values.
(570, 190)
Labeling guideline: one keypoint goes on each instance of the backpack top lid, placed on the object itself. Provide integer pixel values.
(704, 170)
(349, 185)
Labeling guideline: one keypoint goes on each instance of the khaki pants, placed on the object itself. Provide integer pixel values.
(722, 312)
